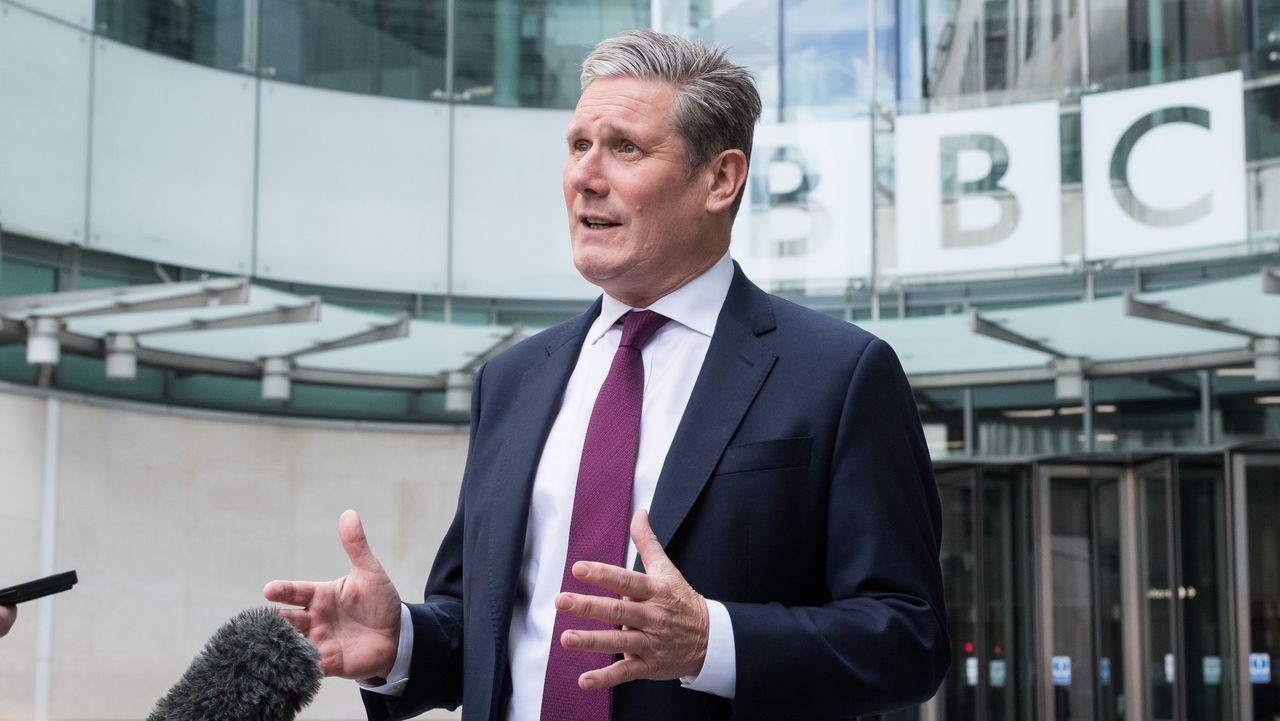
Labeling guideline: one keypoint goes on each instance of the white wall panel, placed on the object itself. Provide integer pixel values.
(353, 189)
(76, 12)
(172, 172)
(44, 126)
(510, 227)
(175, 523)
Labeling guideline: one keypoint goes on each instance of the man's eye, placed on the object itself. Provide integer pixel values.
(629, 148)
(581, 146)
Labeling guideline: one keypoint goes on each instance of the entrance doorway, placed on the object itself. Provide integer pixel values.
(1106, 589)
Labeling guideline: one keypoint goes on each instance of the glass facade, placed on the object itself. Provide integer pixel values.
(505, 52)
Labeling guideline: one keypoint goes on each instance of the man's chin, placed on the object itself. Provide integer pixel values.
(597, 271)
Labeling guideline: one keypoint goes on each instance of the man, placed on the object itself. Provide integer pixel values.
(785, 532)
(8, 614)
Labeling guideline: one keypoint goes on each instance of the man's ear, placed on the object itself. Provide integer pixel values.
(727, 172)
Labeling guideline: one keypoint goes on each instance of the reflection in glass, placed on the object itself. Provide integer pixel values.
(1084, 543)
(958, 558)
(966, 47)
(1071, 548)
(380, 47)
(1008, 558)
(513, 53)
(208, 32)
(1157, 557)
(1206, 669)
(1111, 686)
(1135, 42)
(1155, 411)
(1026, 419)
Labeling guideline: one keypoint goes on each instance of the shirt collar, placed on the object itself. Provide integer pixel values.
(695, 305)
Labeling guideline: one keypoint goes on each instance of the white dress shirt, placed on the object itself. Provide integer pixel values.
(672, 360)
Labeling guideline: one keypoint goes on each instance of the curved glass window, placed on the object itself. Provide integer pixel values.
(379, 47)
(529, 53)
(208, 32)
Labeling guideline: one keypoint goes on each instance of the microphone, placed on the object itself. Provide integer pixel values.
(255, 668)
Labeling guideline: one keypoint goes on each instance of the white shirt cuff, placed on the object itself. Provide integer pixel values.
(719, 673)
(399, 676)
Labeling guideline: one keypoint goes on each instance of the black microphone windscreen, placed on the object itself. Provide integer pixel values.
(256, 667)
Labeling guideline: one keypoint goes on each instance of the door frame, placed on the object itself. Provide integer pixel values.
(1238, 531)
(1125, 476)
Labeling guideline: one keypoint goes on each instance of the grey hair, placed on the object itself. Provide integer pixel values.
(716, 104)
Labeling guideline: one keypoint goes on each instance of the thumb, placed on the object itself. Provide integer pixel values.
(647, 545)
(354, 542)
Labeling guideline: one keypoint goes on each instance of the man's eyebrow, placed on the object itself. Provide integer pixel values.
(605, 128)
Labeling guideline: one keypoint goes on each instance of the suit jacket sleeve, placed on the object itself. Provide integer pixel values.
(435, 671)
(880, 643)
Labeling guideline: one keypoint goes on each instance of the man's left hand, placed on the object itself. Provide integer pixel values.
(664, 621)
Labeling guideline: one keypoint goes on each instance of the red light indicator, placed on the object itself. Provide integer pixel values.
(968, 647)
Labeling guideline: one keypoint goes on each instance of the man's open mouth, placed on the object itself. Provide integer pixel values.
(598, 223)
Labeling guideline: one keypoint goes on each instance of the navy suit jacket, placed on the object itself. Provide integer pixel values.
(798, 491)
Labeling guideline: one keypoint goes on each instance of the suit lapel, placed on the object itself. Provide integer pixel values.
(737, 363)
(534, 410)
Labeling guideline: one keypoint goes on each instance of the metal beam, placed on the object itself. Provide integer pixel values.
(390, 381)
(984, 326)
(515, 336)
(397, 329)
(1099, 369)
(1159, 312)
(222, 291)
(308, 313)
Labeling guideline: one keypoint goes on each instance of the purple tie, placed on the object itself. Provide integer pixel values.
(598, 529)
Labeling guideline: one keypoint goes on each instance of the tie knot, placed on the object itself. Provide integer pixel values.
(639, 326)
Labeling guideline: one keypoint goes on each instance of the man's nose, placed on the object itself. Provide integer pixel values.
(586, 174)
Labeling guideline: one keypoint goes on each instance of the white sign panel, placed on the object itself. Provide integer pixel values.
(1212, 670)
(1061, 670)
(978, 189)
(1169, 672)
(998, 673)
(806, 215)
(971, 670)
(1259, 668)
(1164, 167)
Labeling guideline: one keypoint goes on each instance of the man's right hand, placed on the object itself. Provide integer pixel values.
(354, 622)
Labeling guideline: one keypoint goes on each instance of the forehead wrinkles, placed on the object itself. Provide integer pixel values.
(626, 109)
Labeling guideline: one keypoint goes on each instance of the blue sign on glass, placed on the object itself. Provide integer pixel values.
(1061, 670)
(1259, 668)
(1104, 671)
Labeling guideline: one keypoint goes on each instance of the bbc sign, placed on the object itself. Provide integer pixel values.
(1163, 170)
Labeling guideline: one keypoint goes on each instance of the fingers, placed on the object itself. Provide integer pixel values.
(298, 618)
(608, 641)
(647, 545)
(292, 593)
(619, 672)
(633, 585)
(354, 542)
(608, 610)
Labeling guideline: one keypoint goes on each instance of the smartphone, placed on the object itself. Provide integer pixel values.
(38, 588)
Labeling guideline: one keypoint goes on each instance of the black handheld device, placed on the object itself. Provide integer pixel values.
(38, 588)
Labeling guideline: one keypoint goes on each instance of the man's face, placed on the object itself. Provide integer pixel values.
(637, 221)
